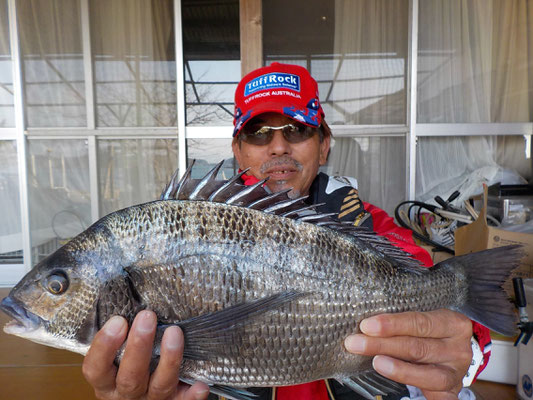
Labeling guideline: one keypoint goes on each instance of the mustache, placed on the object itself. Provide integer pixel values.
(280, 161)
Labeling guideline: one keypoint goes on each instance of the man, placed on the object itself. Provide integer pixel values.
(280, 133)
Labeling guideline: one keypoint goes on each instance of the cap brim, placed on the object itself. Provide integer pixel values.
(306, 116)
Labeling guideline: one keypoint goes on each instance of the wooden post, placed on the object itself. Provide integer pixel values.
(251, 24)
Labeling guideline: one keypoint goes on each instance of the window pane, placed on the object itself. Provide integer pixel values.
(134, 62)
(58, 189)
(211, 50)
(51, 49)
(10, 226)
(446, 164)
(474, 61)
(209, 152)
(356, 50)
(379, 165)
(7, 111)
(134, 171)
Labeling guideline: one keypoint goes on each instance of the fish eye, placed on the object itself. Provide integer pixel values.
(57, 283)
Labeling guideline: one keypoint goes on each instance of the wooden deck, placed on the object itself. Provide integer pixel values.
(29, 371)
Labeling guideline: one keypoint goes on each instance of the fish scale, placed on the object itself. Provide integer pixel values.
(263, 299)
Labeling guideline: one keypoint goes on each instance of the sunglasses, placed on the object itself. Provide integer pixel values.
(291, 132)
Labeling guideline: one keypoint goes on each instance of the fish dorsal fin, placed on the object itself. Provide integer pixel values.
(370, 384)
(233, 192)
(258, 197)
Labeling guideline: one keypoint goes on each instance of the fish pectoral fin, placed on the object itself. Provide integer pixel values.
(370, 384)
(221, 333)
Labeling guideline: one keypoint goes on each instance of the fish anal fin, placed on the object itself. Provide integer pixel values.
(370, 384)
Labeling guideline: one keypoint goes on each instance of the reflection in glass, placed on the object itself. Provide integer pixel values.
(134, 171)
(51, 49)
(210, 88)
(474, 61)
(211, 50)
(58, 191)
(10, 226)
(446, 164)
(356, 50)
(378, 164)
(134, 62)
(207, 153)
(7, 111)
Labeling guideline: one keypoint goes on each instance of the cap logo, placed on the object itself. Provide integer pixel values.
(273, 80)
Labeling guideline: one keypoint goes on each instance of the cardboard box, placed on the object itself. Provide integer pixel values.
(436, 255)
(479, 236)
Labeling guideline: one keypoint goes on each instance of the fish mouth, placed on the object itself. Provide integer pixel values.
(23, 320)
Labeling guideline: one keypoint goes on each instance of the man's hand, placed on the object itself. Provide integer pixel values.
(429, 350)
(132, 379)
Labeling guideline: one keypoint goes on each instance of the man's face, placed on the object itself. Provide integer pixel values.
(288, 165)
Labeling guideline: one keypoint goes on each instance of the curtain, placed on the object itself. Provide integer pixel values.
(53, 73)
(4, 29)
(133, 54)
(474, 61)
(134, 62)
(10, 228)
(7, 111)
(369, 80)
(474, 67)
(370, 43)
(379, 163)
(134, 171)
(58, 192)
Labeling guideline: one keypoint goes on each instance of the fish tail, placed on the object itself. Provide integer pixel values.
(485, 301)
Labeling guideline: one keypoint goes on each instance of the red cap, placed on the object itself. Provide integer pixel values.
(281, 88)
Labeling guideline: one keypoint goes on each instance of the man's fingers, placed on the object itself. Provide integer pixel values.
(133, 373)
(429, 350)
(98, 367)
(435, 378)
(164, 380)
(164, 383)
(419, 350)
(431, 324)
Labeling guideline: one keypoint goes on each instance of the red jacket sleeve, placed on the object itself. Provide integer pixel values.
(401, 237)
(384, 225)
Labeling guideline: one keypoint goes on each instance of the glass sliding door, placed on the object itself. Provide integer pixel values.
(357, 52)
(7, 111)
(475, 73)
(52, 63)
(211, 52)
(58, 190)
(134, 62)
(133, 171)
